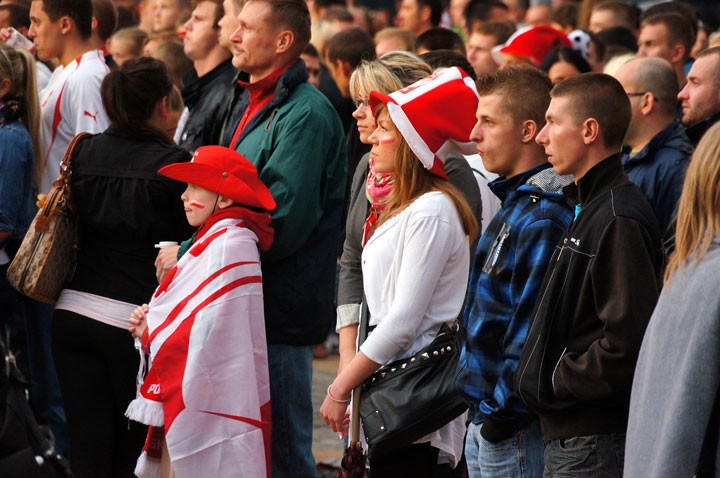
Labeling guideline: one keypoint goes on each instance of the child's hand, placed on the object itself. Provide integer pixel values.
(138, 320)
(166, 260)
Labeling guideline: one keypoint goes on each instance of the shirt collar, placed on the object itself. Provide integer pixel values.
(503, 186)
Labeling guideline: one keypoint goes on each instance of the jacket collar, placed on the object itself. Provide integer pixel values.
(602, 177)
(195, 87)
(290, 77)
(697, 130)
(503, 186)
(673, 135)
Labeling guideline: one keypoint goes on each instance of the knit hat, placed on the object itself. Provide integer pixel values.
(225, 172)
(435, 116)
(532, 42)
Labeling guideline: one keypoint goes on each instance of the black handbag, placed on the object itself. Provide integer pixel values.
(412, 397)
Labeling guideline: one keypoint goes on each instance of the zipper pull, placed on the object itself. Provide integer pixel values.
(561, 249)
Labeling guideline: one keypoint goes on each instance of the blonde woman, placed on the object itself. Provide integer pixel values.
(390, 73)
(674, 423)
(416, 256)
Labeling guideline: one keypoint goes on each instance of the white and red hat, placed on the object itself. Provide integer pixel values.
(435, 116)
(532, 42)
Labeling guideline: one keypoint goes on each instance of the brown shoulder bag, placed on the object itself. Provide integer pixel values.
(46, 258)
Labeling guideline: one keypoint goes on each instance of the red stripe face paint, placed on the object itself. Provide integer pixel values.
(197, 205)
(386, 141)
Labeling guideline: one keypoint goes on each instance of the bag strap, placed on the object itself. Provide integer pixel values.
(355, 411)
(65, 163)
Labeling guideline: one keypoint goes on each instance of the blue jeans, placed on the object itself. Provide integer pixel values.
(592, 455)
(290, 369)
(45, 394)
(520, 456)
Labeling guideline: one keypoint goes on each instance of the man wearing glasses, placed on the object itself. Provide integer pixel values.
(656, 150)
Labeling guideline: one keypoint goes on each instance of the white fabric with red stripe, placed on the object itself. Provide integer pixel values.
(208, 379)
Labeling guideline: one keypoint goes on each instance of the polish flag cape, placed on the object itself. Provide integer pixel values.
(208, 380)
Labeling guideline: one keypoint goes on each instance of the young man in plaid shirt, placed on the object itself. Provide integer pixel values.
(512, 257)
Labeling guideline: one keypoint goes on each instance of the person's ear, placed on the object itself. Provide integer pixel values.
(425, 13)
(4, 87)
(528, 131)
(93, 24)
(346, 68)
(164, 106)
(66, 25)
(677, 52)
(647, 104)
(285, 40)
(224, 202)
(590, 131)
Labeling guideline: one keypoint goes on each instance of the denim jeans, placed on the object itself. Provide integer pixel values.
(592, 455)
(290, 368)
(45, 395)
(520, 456)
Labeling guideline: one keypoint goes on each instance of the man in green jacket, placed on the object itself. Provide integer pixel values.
(293, 136)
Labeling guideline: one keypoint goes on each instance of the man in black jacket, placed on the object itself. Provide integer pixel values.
(209, 84)
(598, 294)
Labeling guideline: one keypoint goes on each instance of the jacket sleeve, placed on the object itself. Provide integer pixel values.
(625, 289)
(304, 171)
(13, 166)
(669, 189)
(536, 245)
(350, 287)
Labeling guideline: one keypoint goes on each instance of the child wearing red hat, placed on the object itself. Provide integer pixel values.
(206, 395)
(416, 260)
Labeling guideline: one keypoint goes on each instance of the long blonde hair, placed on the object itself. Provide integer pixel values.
(18, 65)
(412, 180)
(698, 219)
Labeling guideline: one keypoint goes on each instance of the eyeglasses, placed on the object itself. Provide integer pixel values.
(359, 103)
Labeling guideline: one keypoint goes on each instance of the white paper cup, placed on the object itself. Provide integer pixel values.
(164, 244)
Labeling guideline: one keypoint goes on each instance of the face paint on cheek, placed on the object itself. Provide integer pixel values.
(197, 205)
(386, 141)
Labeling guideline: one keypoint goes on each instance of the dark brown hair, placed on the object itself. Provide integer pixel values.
(106, 15)
(219, 10)
(130, 94)
(501, 31)
(352, 46)
(79, 11)
(601, 97)
(525, 90)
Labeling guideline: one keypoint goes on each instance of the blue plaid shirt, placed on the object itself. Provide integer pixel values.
(510, 263)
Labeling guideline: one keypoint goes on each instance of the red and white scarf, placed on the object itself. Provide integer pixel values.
(208, 382)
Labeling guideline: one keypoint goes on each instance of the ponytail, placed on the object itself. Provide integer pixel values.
(131, 93)
(18, 65)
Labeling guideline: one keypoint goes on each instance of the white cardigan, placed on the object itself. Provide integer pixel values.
(415, 273)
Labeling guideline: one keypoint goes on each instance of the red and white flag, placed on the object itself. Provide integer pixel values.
(208, 379)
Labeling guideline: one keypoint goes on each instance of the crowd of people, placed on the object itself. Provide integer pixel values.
(261, 174)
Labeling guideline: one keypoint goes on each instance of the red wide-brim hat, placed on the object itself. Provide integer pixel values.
(223, 171)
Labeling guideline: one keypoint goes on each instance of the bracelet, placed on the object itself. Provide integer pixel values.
(333, 398)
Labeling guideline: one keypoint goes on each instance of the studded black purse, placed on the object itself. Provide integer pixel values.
(412, 397)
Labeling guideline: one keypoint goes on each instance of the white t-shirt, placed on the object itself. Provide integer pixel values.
(71, 104)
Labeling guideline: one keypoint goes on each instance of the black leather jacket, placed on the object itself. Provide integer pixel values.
(206, 99)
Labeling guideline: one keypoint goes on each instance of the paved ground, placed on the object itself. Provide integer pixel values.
(327, 447)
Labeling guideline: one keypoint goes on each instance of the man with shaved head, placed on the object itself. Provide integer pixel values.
(656, 149)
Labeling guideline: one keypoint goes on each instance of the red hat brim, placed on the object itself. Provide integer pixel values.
(246, 191)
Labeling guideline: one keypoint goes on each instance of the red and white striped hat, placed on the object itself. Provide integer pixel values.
(435, 116)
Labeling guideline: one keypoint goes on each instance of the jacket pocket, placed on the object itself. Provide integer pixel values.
(496, 259)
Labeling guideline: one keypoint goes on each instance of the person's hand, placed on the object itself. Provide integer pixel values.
(138, 321)
(335, 412)
(166, 260)
(5, 34)
(41, 200)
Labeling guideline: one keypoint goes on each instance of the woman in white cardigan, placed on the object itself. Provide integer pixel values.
(415, 262)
